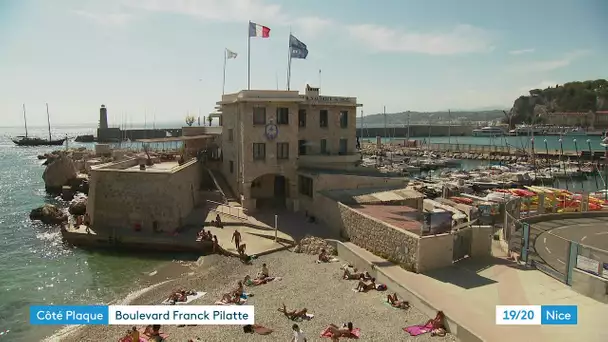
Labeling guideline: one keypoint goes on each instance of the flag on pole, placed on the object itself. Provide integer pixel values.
(231, 54)
(256, 30)
(297, 48)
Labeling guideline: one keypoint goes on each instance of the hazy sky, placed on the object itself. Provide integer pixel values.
(166, 56)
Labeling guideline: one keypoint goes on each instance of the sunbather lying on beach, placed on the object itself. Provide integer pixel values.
(323, 256)
(294, 314)
(352, 274)
(255, 282)
(336, 332)
(230, 298)
(437, 324)
(264, 273)
(364, 286)
(400, 304)
(256, 328)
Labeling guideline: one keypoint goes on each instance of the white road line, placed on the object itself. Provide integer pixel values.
(561, 262)
(601, 233)
(584, 237)
(548, 250)
(545, 240)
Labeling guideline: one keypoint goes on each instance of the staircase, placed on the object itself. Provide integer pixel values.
(222, 186)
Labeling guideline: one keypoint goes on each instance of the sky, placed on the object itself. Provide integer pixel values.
(159, 60)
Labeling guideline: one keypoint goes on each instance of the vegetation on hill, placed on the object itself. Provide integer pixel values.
(400, 119)
(583, 96)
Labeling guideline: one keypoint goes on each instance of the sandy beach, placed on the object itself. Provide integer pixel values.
(304, 283)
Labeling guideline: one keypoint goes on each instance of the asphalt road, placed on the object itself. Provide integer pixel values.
(552, 238)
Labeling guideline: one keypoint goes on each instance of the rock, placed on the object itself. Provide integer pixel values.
(313, 245)
(67, 194)
(58, 173)
(48, 214)
(41, 157)
(78, 206)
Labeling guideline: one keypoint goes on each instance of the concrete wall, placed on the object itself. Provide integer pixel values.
(481, 242)
(415, 131)
(382, 239)
(435, 251)
(590, 285)
(118, 199)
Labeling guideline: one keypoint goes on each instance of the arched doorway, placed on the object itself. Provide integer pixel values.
(270, 191)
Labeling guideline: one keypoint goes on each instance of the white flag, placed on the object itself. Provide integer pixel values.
(230, 54)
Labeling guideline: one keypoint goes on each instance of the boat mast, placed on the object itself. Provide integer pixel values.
(449, 127)
(25, 120)
(48, 120)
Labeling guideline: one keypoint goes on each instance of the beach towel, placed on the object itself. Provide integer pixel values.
(419, 329)
(355, 333)
(189, 299)
(242, 301)
(145, 338)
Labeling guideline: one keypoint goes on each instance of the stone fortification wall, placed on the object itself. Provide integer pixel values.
(382, 239)
(123, 198)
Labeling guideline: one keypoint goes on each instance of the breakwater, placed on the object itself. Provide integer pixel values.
(117, 134)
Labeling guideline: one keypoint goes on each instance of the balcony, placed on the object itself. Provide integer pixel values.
(315, 160)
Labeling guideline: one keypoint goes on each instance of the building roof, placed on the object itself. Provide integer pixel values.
(371, 195)
(171, 139)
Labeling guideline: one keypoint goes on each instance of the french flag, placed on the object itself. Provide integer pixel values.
(256, 30)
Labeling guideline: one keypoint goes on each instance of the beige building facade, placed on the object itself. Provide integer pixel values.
(268, 135)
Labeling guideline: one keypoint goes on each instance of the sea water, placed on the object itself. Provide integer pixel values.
(35, 266)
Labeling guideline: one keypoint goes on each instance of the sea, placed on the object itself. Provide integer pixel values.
(39, 269)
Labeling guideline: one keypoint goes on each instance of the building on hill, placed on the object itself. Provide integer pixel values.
(590, 119)
(280, 147)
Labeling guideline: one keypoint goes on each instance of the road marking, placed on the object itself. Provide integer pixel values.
(545, 240)
(561, 262)
(584, 237)
(548, 250)
(601, 233)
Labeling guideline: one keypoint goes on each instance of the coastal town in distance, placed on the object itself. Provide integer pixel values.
(299, 212)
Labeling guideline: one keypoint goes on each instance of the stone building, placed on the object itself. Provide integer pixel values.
(276, 144)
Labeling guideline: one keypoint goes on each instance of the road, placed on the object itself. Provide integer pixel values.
(551, 243)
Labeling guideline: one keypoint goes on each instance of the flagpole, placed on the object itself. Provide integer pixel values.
(289, 61)
(224, 80)
(249, 57)
(319, 78)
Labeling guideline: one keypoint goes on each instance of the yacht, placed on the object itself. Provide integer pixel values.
(527, 130)
(577, 131)
(488, 132)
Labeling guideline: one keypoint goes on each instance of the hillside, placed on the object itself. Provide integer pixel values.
(569, 97)
(399, 119)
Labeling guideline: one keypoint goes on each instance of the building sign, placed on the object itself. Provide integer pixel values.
(329, 99)
(588, 265)
(436, 222)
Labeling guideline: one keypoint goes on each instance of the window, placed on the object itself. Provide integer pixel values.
(230, 134)
(259, 151)
(343, 146)
(323, 118)
(323, 146)
(301, 147)
(305, 185)
(259, 115)
(282, 116)
(231, 163)
(282, 150)
(343, 119)
(302, 118)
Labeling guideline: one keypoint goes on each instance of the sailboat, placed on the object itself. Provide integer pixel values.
(34, 141)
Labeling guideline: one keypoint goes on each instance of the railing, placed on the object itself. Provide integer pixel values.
(467, 148)
(236, 212)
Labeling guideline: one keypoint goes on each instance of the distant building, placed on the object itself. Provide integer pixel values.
(590, 119)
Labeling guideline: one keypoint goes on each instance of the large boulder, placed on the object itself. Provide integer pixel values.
(78, 206)
(58, 173)
(313, 245)
(48, 214)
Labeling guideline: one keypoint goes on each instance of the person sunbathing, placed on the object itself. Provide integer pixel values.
(396, 303)
(230, 298)
(323, 257)
(437, 322)
(255, 282)
(336, 332)
(239, 289)
(295, 314)
(256, 328)
(366, 286)
(264, 273)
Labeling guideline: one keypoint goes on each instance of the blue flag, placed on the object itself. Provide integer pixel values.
(298, 49)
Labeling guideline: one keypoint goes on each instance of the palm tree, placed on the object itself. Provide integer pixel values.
(210, 119)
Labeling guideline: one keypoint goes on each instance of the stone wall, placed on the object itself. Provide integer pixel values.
(382, 239)
(435, 251)
(118, 199)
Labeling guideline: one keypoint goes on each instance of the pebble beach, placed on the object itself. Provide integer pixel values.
(304, 283)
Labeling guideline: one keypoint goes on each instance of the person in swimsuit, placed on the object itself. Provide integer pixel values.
(345, 331)
(364, 287)
(236, 237)
(294, 314)
(396, 303)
